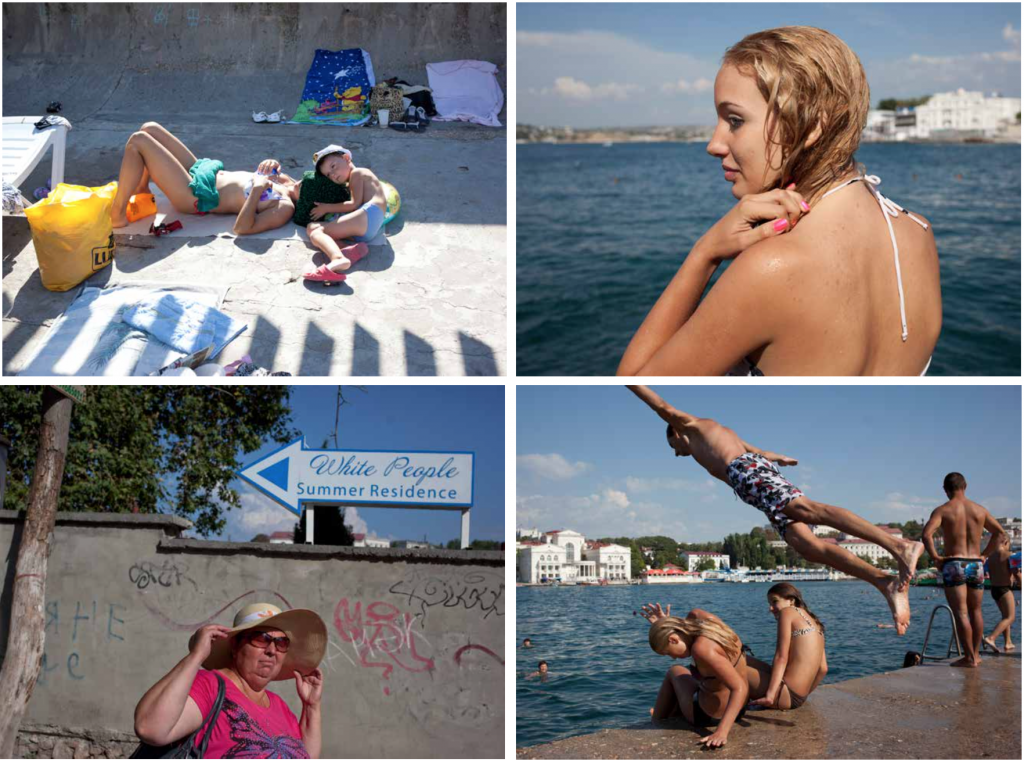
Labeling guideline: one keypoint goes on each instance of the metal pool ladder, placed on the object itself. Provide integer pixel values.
(952, 638)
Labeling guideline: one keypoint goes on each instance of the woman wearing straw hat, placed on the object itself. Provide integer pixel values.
(264, 645)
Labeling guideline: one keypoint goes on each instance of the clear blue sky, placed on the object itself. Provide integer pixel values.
(457, 418)
(595, 459)
(586, 65)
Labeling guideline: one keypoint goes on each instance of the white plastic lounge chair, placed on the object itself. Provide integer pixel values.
(24, 147)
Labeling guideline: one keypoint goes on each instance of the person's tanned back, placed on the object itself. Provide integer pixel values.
(962, 522)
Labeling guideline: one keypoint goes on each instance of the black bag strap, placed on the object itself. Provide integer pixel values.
(209, 721)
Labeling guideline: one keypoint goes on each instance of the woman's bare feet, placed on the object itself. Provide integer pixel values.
(1009, 647)
(910, 551)
(118, 221)
(991, 644)
(899, 604)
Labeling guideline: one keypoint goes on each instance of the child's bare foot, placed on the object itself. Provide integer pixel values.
(907, 560)
(898, 604)
(991, 644)
(349, 256)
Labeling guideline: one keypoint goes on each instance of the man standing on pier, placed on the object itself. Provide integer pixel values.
(961, 564)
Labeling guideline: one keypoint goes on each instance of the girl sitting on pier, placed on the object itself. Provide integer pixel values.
(799, 664)
(713, 691)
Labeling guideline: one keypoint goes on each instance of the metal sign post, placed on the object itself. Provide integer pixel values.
(295, 476)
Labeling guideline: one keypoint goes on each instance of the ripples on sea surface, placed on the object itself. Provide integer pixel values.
(604, 674)
(593, 254)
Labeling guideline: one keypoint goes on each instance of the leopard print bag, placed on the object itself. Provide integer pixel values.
(390, 98)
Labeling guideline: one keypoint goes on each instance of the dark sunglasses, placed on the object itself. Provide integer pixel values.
(262, 640)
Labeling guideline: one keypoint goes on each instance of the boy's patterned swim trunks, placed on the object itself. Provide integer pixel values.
(963, 571)
(757, 482)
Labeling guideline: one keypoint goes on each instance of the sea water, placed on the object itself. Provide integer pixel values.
(601, 231)
(603, 673)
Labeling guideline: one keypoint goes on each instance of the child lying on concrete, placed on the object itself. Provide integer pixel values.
(754, 477)
(359, 219)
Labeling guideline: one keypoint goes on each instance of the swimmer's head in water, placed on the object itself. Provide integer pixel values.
(542, 667)
(953, 483)
(791, 104)
(527, 643)
(680, 445)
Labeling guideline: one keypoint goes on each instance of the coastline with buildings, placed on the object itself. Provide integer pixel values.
(960, 116)
(564, 557)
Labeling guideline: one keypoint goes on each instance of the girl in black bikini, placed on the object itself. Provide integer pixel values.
(713, 692)
(799, 664)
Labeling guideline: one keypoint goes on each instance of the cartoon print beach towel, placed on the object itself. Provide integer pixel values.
(337, 89)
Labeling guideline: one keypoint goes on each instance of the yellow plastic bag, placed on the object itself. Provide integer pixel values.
(72, 233)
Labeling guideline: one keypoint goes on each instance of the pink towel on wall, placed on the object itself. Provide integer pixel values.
(466, 91)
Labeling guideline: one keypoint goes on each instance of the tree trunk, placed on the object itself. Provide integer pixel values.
(25, 641)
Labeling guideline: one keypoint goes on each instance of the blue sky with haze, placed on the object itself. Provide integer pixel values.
(638, 64)
(595, 458)
(456, 418)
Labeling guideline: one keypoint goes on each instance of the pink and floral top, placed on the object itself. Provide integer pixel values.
(245, 730)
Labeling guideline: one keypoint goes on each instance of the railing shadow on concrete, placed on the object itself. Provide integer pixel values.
(365, 353)
(477, 357)
(317, 352)
(419, 356)
(264, 344)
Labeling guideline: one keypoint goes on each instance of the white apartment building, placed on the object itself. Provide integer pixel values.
(540, 562)
(967, 111)
(864, 548)
(612, 561)
(365, 541)
(566, 556)
(691, 559)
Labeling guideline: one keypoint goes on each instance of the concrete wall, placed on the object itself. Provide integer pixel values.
(414, 667)
(210, 59)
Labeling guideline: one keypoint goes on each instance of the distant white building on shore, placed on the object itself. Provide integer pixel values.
(565, 556)
(361, 540)
(953, 115)
(692, 558)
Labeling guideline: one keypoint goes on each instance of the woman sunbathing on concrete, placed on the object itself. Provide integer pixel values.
(799, 664)
(713, 691)
(262, 200)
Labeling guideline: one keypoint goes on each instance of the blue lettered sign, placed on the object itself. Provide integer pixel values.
(403, 478)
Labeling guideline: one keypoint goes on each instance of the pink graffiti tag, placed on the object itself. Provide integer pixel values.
(384, 633)
(476, 647)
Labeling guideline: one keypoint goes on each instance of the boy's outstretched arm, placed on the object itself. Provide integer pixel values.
(664, 410)
(774, 457)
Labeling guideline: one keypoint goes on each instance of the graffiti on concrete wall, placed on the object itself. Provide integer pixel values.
(98, 624)
(476, 590)
(382, 637)
(167, 573)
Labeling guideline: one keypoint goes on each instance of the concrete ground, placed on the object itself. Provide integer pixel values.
(431, 302)
(929, 712)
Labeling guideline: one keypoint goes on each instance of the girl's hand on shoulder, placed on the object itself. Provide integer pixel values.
(713, 741)
(755, 217)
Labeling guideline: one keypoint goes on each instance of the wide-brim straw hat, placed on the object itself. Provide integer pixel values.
(305, 629)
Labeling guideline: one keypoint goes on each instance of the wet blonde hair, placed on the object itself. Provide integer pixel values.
(808, 77)
(691, 629)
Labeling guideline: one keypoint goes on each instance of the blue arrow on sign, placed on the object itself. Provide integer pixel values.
(296, 474)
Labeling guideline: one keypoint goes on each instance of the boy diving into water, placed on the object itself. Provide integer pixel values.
(753, 475)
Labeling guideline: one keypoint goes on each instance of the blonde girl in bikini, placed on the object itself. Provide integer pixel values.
(712, 692)
(799, 664)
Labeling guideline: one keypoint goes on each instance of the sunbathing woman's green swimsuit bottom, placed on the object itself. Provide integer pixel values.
(204, 184)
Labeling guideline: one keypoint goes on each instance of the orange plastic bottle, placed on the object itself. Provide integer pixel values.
(141, 205)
